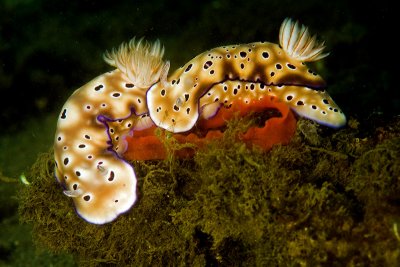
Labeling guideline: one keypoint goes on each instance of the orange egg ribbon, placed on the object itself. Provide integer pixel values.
(145, 145)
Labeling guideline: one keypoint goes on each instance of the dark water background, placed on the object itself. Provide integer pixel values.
(50, 48)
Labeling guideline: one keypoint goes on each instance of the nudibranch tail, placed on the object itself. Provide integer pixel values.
(141, 61)
(298, 43)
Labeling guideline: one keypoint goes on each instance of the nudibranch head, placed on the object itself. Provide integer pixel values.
(141, 61)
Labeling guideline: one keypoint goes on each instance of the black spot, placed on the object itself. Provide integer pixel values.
(207, 64)
(188, 67)
(75, 186)
(59, 138)
(65, 148)
(65, 177)
(66, 160)
(173, 120)
(278, 66)
(86, 198)
(78, 173)
(116, 201)
(289, 97)
(177, 82)
(325, 101)
(82, 146)
(186, 97)
(188, 111)
(129, 125)
(265, 55)
(98, 87)
(90, 157)
(212, 72)
(252, 86)
(103, 105)
(310, 71)
(88, 107)
(111, 130)
(324, 112)
(235, 91)
(139, 100)
(335, 110)
(111, 177)
(129, 85)
(262, 86)
(173, 81)
(300, 103)
(116, 95)
(272, 74)
(64, 114)
(228, 56)
(162, 92)
(290, 66)
(176, 108)
(243, 54)
(87, 136)
(314, 107)
(242, 66)
(216, 99)
(225, 88)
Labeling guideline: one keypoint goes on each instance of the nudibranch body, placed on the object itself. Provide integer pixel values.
(218, 75)
(92, 127)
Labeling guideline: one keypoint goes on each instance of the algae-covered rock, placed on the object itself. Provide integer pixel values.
(328, 198)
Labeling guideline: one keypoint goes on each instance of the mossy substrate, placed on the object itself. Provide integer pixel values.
(329, 198)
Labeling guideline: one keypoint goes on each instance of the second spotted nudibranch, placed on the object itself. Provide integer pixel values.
(262, 68)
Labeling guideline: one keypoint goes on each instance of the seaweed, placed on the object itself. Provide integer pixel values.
(328, 198)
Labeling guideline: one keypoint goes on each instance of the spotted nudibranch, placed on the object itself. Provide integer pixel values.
(92, 127)
(215, 77)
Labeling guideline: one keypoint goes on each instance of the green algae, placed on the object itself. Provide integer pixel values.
(328, 198)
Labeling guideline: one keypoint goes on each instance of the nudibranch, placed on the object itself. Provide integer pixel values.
(98, 118)
(260, 68)
(92, 128)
